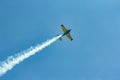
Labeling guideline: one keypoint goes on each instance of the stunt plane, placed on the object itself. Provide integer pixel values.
(66, 32)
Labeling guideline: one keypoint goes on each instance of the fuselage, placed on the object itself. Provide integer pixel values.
(67, 32)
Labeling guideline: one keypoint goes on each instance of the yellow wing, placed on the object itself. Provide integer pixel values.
(63, 28)
(69, 37)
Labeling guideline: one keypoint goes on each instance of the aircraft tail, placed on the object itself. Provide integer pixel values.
(59, 38)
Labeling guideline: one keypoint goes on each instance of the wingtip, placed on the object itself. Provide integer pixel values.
(61, 24)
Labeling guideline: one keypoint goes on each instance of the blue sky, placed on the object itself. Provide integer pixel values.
(94, 54)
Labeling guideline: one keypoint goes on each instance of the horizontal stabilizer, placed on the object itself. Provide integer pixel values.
(59, 38)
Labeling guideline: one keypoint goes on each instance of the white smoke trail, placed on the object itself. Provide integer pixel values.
(13, 60)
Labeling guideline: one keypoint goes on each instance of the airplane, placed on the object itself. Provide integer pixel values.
(66, 32)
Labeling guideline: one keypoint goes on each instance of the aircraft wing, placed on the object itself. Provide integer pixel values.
(63, 28)
(69, 36)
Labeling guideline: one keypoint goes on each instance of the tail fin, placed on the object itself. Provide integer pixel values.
(60, 37)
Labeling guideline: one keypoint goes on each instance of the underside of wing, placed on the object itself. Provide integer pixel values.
(69, 37)
(63, 28)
